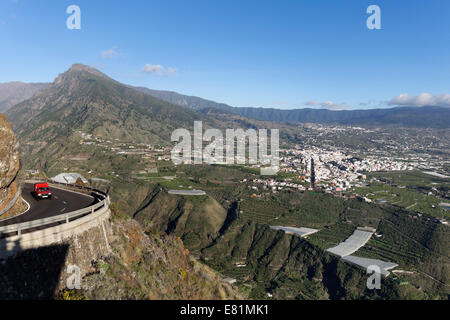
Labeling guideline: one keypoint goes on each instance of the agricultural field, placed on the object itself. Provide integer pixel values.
(410, 178)
(305, 209)
(332, 235)
(410, 199)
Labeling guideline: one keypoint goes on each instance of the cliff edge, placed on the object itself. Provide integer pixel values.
(9, 164)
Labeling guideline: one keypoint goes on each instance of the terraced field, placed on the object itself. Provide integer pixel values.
(332, 236)
(407, 249)
(409, 199)
(308, 209)
(286, 265)
(410, 178)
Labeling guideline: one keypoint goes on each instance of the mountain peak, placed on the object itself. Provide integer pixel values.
(85, 68)
(71, 74)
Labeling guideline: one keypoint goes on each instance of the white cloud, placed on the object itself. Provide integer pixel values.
(110, 53)
(159, 70)
(149, 68)
(328, 105)
(423, 99)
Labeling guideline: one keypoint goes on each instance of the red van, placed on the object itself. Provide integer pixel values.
(42, 191)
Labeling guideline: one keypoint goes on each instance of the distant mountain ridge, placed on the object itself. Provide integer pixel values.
(193, 102)
(434, 117)
(420, 117)
(12, 93)
(85, 99)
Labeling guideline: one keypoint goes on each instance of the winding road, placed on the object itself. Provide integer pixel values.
(62, 201)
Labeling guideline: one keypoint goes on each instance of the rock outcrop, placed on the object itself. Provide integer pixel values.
(116, 260)
(9, 164)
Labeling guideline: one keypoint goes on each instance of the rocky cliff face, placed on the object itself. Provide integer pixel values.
(116, 261)
(9, 163)
(151, 266)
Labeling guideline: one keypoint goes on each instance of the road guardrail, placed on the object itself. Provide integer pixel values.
(65, 217)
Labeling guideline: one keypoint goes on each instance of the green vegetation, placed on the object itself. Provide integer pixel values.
(229, 228)
(410, 178)
(70, 295)
(241, 245)
(331, 236)
(414, 191)
(302, 209)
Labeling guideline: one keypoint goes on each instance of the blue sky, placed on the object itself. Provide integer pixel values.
(286, 54)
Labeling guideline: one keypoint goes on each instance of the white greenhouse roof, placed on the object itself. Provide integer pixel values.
(302, 232)
(366, 262)
(352, 244)
(69, 178)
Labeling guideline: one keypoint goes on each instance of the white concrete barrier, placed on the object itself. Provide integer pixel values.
(53, 235)
(72, 223)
